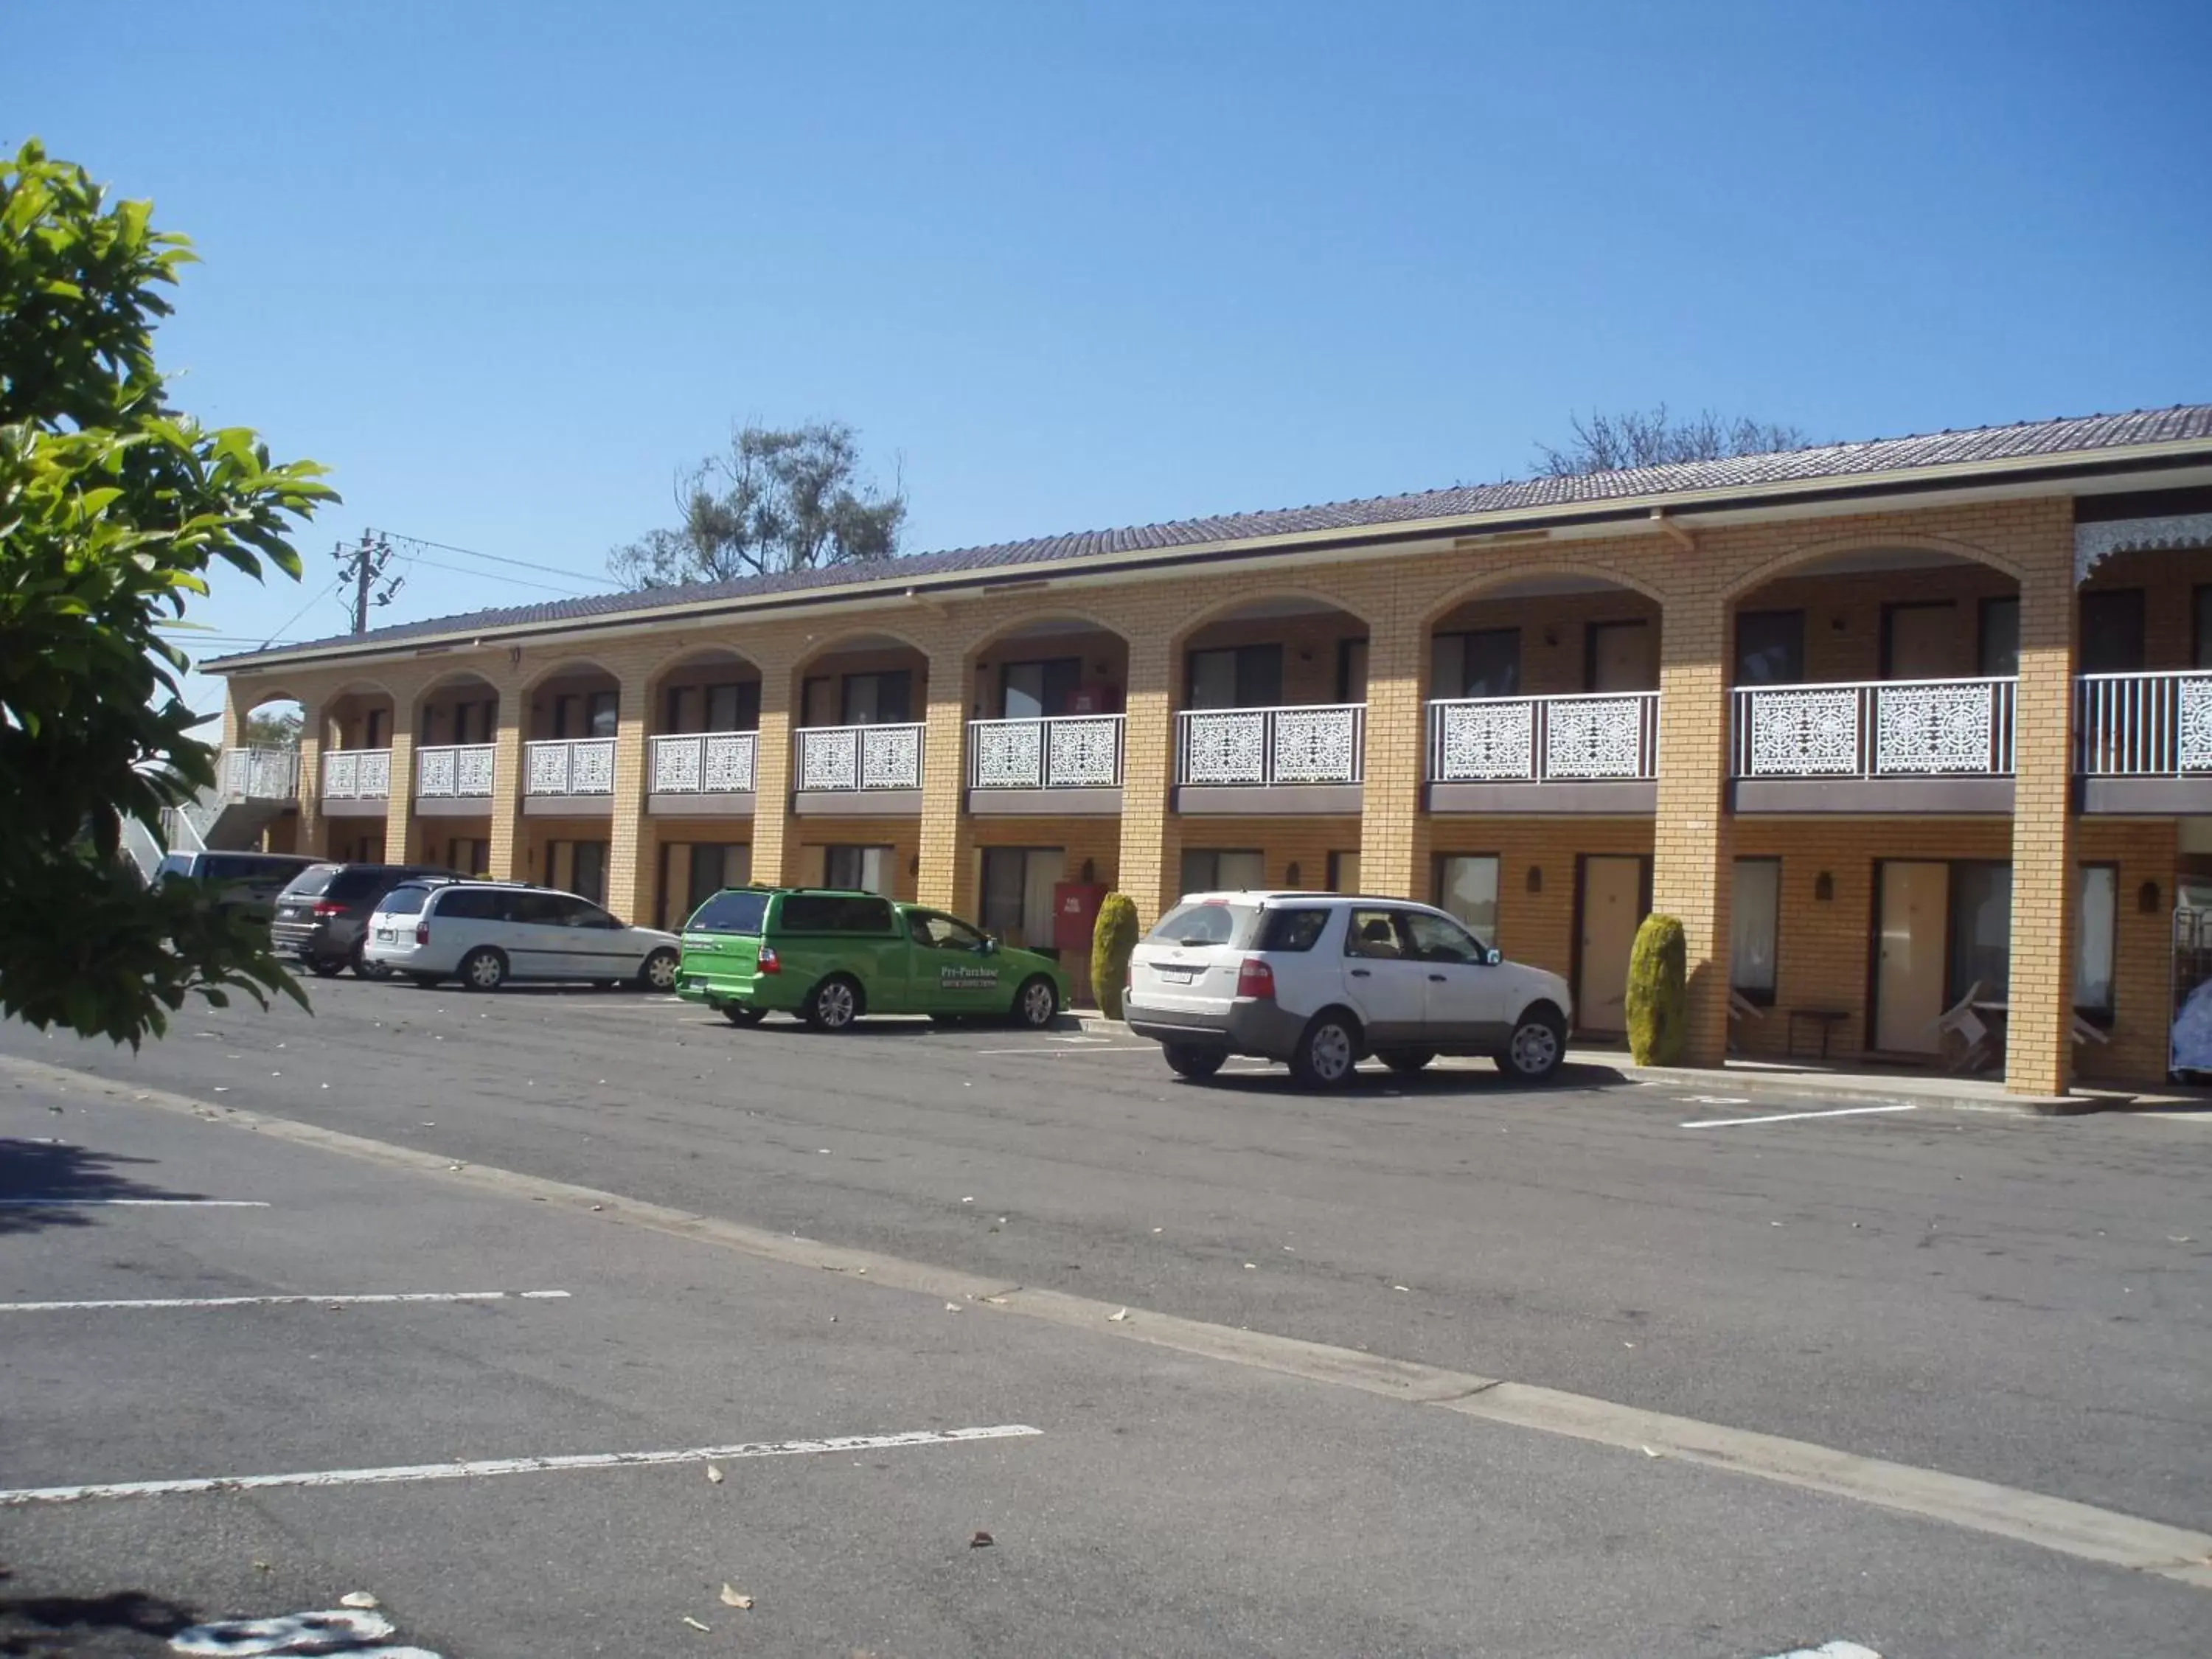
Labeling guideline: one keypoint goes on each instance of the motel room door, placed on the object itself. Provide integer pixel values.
(1615, 896)
(1909, 971)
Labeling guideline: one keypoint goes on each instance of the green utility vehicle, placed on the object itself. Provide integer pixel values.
(828, 956)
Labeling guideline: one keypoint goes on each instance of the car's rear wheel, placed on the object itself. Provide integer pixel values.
(1196, 1063)
(737, 1014)
(1036, 1003)
(659, 973)
(1407, 1061)
(1539, 1043)
(835, 1004)
(326, 967)
(483, 969)
(1327, 1051)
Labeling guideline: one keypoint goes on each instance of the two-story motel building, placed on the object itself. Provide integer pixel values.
(1887, 725)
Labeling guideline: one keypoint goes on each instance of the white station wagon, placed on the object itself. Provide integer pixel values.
(1320, 979)
(487, 933)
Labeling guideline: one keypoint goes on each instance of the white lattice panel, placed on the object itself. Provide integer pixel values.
(1585, 739)
(1225, 747)
(433, 771)
(1487, 742)
(829, 758)
(1928, 729)
(341, 776)
(1010, 754)
(890, 757)
(549, 768)
(676, 766)
(2193, 725)
(1084, 752)
(1317, 745)
(592, 768)
(472, 770)
(729, 762)
(1811, 733)
(376, 777)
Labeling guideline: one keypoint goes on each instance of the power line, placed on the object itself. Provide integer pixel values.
(502, 558)
(486, 575)
(363, 566)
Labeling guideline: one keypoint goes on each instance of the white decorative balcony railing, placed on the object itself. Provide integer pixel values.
(1883, 729)
(1317, 743)
(1067, 751)
(1605, 737)
(357, 774)
(260, 774)
(569, 766)
(2143, 725)
(453, 770)
(704, 764)
(859, 757)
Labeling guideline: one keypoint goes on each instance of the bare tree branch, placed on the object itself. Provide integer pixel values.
(1611, 442)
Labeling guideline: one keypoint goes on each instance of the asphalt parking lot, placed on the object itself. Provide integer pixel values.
(1953, 1292)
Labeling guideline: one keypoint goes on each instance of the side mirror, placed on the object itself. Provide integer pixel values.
(1492, 957)
(990, 945)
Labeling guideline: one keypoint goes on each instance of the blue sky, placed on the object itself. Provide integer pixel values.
(504, 267)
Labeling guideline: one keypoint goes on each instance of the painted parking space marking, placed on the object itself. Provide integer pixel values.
(1831, 1651)
(346, 1301)
(135, 1203)
(1791, 1117)
(401, 1474)
(1062, 1053)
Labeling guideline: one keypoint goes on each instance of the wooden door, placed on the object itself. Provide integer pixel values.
(1612, 905)
(1913, 928)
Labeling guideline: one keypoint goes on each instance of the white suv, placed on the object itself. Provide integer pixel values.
(1320, 979)
(489, 932)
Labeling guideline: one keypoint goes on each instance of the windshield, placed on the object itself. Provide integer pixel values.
(1206, 922)
(730, 913)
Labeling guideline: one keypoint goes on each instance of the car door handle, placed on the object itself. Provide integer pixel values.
(1361, 973)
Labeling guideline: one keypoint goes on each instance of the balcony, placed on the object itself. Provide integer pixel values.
(1595, 754)
(2142, 742)
(1270, 761)
(1065, 765)
(1882, 746)
(356, 783)
(569, 777)
(703, 774)
(858, 771)
(263, 774)
(454, 780)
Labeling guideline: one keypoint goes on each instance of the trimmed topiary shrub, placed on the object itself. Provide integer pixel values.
(1111, 942)
(1658, 993)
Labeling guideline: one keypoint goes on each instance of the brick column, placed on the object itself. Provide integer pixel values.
(947, 835)
(1150, 864)
(309, 789)
(1692, 835)
(1390, 800)
(2038, 1029)
(508, 855)
(773, 843)
(633, 850)
(400, 805)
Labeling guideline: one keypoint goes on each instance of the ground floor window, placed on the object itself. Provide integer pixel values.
(1344, 873)
(1466, 886)
(471, 857)
(691, 873)
(1754, 928)
(858, 869)
(579, 867)
(2096, 927)
(1018, 893)
(1215, 870)
(1981, 931)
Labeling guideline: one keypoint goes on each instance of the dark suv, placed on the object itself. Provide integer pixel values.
(250, 881)
(322, 916)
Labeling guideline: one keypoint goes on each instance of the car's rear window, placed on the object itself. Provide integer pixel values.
(834, 912)
(1291, 930)
(1207, 922)
(471, 904)
(731, 913)
(403, 901)
(314, 881)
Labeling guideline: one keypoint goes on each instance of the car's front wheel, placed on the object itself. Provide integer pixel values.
(1539, 1043)
(1036, 1003)
(1196, 1063)
(483, 969)
(1405, 1061)
(1327, 1051)
(659, 973)
(835, 1004)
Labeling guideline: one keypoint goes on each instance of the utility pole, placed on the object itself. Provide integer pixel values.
(363, 566)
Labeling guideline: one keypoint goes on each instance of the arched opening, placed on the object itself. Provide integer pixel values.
(1271, 692)
(456, 728)
(258, 779)
(570, 720)
(357, 770)
(861, 702)
(1045, 715)
(703, 712)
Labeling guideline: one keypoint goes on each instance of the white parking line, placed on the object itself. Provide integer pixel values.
(406, 1471)
(1791, 1117)
(1831, 1651)
(136, 1203)
(1062, 1053)
(283, 1301)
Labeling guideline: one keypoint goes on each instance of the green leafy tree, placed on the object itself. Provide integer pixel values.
(277, 731)
(779, 500)
(113, 506)
(1658, 993)
(1113, 939)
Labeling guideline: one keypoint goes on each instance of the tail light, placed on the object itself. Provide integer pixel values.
(769, 961)
(1255, 979)
(323, 907)
(422, 933)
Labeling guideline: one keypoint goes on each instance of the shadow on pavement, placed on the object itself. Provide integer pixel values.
(1479, 1079)
(40, 1181)
(37, 1627)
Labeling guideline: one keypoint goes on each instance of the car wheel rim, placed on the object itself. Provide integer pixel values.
(1534, 1047)
(836, 1004)
(1039, 1004)
(662, 972)
(487, 972)
(1332, 1052)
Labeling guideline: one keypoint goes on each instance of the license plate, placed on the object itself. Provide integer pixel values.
(1177, 975)
(384, 933)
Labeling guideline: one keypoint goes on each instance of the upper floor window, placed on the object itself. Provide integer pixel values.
(2112, 631)
(1483, 664)
(1035, 690)
(1769, 647)
(1236, 677)
(1997, 654)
